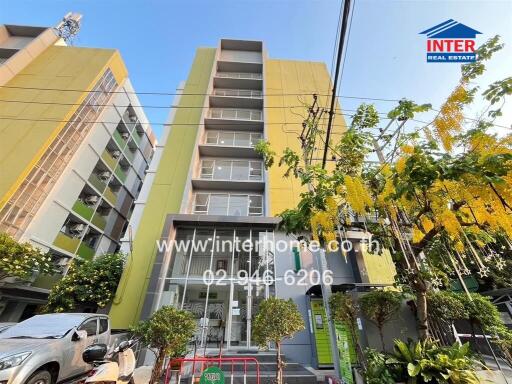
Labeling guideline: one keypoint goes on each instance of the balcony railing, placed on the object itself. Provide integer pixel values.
(236, 114)
(231, 204)
(66, 242)
(232, 139)
(232, 170)
(83, 210)
(85, 251)
(250, 93)
(99, 221)
(108, 159)
(120, 173)
(120, 141)
(97, 183)
(110, 196)
(240, 75)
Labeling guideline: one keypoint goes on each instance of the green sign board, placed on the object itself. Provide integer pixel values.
(212, 375)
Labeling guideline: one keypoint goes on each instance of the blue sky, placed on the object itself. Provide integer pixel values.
(386, 55)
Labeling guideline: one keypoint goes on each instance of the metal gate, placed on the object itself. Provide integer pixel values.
(192, 367)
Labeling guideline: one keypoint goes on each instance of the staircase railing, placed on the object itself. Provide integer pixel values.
(199, 364)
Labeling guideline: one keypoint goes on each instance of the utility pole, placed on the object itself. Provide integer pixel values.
(346, 11)
(307, 138)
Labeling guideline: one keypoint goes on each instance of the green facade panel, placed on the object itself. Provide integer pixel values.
(97, 183)
(119, 140)
(166, 192)
(83, 210)
(85, 252)
(66, 242)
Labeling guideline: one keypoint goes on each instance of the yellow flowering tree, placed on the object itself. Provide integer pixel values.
(443, 194)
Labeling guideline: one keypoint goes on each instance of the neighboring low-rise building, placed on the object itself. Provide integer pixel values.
(74, 148)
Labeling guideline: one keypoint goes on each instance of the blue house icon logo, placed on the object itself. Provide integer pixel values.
(451, 42)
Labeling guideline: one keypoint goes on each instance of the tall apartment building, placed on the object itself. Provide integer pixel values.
(206, 183)
(74, 148)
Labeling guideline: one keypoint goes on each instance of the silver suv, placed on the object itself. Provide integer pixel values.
(47, 349)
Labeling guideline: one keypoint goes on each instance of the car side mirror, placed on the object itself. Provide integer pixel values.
(79, 335)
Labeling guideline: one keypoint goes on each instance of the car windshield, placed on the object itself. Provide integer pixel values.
(43, 327)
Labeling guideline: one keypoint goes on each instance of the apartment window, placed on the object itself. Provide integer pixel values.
(218, 204)
(207, 169)
(232, 204)
(236, 114)
(255, 205)
(229, 139)
(238, 205)
(255, 170)
(236, 170)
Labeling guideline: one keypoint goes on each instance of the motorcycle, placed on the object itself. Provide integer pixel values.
(106, 370)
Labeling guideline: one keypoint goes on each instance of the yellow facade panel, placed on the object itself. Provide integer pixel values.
(288, 85)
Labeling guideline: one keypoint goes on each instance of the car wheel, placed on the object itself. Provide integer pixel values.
(40, 377)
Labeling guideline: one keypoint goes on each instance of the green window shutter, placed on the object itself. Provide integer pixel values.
(296, 258)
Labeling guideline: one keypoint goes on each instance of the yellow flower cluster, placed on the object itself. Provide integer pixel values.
(400, 164)
(322, 226)
(427, 224)
(450, 118)
(417, 235)
(409, 149)
(450, 223)
(357, 194)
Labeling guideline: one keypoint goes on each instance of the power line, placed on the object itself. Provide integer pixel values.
(201, 107)
(220, 123)
(156, 93)
(126, 106)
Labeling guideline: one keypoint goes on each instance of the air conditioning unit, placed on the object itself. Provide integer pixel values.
(133, 118)
(76, 229)
(63, 262)
(104, 175)
(91, 199)
(125, 135)
(116, 154)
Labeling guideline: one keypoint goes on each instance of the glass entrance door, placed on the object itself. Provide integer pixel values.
(221, 278)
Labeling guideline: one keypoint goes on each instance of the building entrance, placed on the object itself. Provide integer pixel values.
(220, 275)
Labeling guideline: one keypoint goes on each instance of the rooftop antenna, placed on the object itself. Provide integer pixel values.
(68, 27)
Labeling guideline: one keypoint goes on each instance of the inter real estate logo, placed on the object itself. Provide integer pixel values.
(451, 42)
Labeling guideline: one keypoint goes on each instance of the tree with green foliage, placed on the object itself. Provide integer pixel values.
(87, 283)
(478, 310)
(379, 307)
(168, 331)
(276, 320)
(22, 260)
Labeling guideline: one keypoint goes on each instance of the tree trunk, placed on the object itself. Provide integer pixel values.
(359, 351)
(279, 371)
(381, 334)
(421, 305)
(157, 368)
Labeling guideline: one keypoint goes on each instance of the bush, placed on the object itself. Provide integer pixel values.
(168, 330)
(21, 260)
(379, 307)
(422, 362)
(277, 319)
(87, 283)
